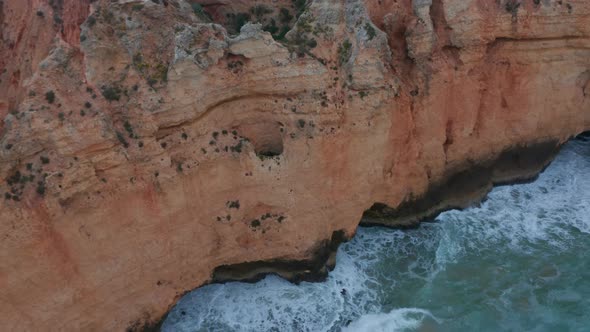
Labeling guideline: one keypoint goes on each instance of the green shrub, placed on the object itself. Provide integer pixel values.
(129, 129)
(91, 20)
(111, 93)
(512, 6)
(233, 204)
(371, 33)
(122, 139)
(344, 52)
(50, 96)
(41, 188)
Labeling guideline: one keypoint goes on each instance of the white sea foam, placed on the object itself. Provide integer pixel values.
(394, 321)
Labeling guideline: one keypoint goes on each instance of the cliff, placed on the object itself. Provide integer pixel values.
(150, 147)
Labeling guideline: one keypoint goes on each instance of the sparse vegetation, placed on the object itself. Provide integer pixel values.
(301, 43)
(344, 52)
(129, 129)
(238, 147)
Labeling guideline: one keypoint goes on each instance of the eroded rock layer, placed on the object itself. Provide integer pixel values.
(147, 147)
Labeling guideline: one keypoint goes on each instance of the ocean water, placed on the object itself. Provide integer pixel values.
(520, 261)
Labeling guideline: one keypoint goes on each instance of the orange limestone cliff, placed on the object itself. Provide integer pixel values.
(148, 147)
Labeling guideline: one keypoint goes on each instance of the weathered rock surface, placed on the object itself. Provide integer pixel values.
(145, 151)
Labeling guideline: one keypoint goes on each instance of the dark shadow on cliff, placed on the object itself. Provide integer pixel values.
(467, 186)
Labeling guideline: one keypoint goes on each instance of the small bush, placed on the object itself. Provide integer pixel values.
(233, 204)
(111, 93)
(91, 21)
(344, 52)
(122, 139)
(371, 33)
(50, 96)
(512, 6)
(129, 129)
(299, 6)
(41, 188)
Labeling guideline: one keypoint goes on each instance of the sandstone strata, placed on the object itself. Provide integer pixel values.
(145, 150)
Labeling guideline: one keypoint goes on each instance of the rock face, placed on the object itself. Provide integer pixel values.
(145, 150)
